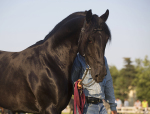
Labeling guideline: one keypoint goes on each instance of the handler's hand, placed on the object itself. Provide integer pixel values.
(79, 85)
(114, 112)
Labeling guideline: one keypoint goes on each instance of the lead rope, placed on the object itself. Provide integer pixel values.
(88, 84)
(79, 99)
(79, 96)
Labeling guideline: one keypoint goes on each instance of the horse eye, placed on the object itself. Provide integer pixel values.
(95, 30)
(90, 41)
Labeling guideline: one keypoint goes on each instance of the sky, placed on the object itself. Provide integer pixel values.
(24, 22)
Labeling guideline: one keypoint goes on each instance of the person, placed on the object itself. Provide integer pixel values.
(95, 93)
(119, 103)
(126, 103)
(137, 106)
(145, 106)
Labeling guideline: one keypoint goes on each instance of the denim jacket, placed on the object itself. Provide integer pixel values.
(102, 90)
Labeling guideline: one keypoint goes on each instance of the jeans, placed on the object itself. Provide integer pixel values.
(94, 108)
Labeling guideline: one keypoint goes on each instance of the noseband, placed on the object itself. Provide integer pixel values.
(88, 84)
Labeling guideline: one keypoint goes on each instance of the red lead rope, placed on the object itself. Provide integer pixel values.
(79, 99)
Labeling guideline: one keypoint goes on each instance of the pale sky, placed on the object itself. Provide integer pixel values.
(24, 22)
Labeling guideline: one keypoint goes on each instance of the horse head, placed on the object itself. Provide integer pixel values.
(92, 42)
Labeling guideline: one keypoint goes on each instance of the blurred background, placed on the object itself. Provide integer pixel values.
(24, 22)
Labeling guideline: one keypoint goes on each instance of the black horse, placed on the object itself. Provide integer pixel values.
(38, 79)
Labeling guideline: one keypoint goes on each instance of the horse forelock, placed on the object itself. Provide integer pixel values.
(100, 22)
(104, 26)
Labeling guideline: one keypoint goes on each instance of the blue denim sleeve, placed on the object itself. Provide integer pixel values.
(109, 90)
(76, 70)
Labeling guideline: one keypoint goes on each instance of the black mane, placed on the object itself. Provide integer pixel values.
(71, 16)
(107, 30)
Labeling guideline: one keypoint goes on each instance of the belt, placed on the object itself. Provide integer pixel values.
(93, 100)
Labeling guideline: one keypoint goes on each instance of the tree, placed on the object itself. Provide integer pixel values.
(142, 80)
(114, 73)
(132, 77)
(116, 78)
(123, 82)
(128, 72)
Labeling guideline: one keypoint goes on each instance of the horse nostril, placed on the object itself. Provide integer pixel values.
(96, 76)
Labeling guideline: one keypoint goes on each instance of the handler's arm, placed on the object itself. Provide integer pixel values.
(109, 90)
(76, 70)
(113, 112)
(75, 74)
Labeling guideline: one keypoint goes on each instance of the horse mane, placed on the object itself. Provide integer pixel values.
(71, 16)
(65, 20)
(108, 32)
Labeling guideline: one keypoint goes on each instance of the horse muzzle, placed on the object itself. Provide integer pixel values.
(100, 74)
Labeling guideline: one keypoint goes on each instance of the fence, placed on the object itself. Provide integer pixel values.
(132, 110)
(122, 110)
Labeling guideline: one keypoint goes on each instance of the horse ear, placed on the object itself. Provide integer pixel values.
(105, 15)
(88, 16)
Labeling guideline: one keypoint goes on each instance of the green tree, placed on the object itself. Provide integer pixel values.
(115, 76)
(142, 80)
(124, 81)
(128, 73)
(114, 73)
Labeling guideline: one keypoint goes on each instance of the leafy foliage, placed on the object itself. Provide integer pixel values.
(142, 80)
(131, 77)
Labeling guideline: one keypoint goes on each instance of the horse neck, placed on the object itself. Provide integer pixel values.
(63, 46)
